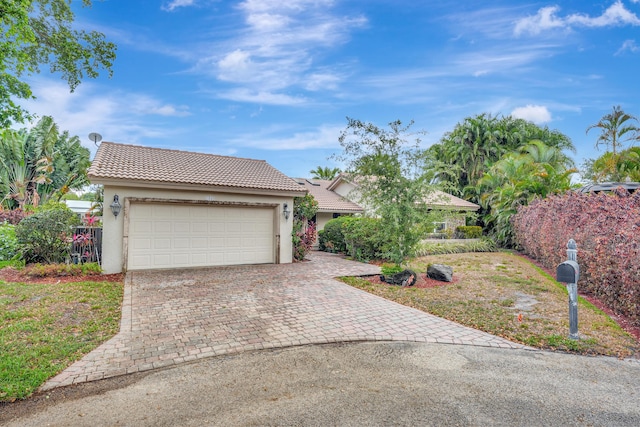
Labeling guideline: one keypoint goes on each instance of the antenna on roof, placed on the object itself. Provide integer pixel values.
(95, 137)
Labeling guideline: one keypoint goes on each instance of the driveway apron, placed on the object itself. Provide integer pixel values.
(175, 316)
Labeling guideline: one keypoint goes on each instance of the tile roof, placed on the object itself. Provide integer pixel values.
(436, 198)
(137, 163)
(439, 198)
(328, 201)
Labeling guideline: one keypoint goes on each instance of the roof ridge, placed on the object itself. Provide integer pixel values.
(182, 151)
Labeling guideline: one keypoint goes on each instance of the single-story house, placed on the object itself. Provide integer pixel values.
(168, 208)
(330, 204)
(455, 208)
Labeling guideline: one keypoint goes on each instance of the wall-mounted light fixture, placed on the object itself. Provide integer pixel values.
(115, 206)
(286, 211)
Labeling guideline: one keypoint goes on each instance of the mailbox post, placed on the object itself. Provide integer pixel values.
(568, 272)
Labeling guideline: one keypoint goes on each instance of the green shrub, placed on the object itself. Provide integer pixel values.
(46, 235)
(366, 239)
(468, 232)
(8, 242)
(331, 238)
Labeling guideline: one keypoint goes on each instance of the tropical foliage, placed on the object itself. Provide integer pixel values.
(326, 173)
(612, 167)
(616, 128)
(40, 164)
(38, 32)
(303, 235)
(501, 163)
(463, 155)
(534, 171)
(390, 172)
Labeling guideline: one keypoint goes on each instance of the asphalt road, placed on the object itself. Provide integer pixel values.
(357, 384)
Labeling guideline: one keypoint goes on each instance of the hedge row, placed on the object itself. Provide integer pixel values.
(606, 228)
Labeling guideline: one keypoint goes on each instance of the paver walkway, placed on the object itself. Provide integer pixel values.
(175, 316)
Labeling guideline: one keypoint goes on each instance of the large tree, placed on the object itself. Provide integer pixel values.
(616, 128)
(389, 170)
(39, 32)
(39, 164)
(463, 155)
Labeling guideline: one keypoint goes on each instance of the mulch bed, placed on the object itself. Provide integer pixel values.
(422, 281)
(10, 274)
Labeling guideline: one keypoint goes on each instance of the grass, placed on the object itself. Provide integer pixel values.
(506, 295)
(46, 327)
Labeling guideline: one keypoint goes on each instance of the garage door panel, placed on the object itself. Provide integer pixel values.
(159, 226)
(165, 236)
(160, 243)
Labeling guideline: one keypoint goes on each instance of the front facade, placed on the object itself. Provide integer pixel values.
(181, 209)
(331, 204)
(454, 209)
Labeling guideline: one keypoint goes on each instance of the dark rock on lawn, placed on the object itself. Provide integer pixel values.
(404, 278)
(440, 272)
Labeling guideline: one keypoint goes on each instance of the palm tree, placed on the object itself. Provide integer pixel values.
(326, 173)
(613, 131)
(463, 156)
(40, 163)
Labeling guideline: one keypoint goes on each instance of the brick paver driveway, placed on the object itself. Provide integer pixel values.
(175, 316)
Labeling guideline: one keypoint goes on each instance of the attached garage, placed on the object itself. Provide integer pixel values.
(177, 235)
(182, 209)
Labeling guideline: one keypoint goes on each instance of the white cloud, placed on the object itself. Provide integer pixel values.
(325, 137)
(616, 14)
(121, 117)
(547, 19)
(537, 114)
(276, 50)
(174, 4)
(628, 45)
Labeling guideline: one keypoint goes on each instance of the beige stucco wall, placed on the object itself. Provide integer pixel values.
(322, 218)
(113, 228)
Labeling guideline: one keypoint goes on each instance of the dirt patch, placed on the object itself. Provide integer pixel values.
(10, 274)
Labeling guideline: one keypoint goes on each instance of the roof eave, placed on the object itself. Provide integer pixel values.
(118, 182)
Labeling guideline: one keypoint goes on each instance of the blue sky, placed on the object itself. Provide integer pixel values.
(275, 80)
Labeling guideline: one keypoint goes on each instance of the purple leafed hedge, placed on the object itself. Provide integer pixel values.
(606, 227)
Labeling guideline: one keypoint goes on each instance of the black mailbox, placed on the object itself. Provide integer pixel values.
(568, 272)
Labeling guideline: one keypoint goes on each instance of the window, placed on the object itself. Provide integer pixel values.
(439, 227)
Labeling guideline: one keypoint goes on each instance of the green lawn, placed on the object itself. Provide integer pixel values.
(46, 327)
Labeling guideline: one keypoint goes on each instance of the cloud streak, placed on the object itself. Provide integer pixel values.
(277, 48)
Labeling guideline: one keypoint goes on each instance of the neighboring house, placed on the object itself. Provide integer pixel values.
(609, 187)
(185, 209)
(330, 204)
(455, 209)
(80, 207)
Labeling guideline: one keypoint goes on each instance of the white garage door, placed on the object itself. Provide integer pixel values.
(173, 235)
